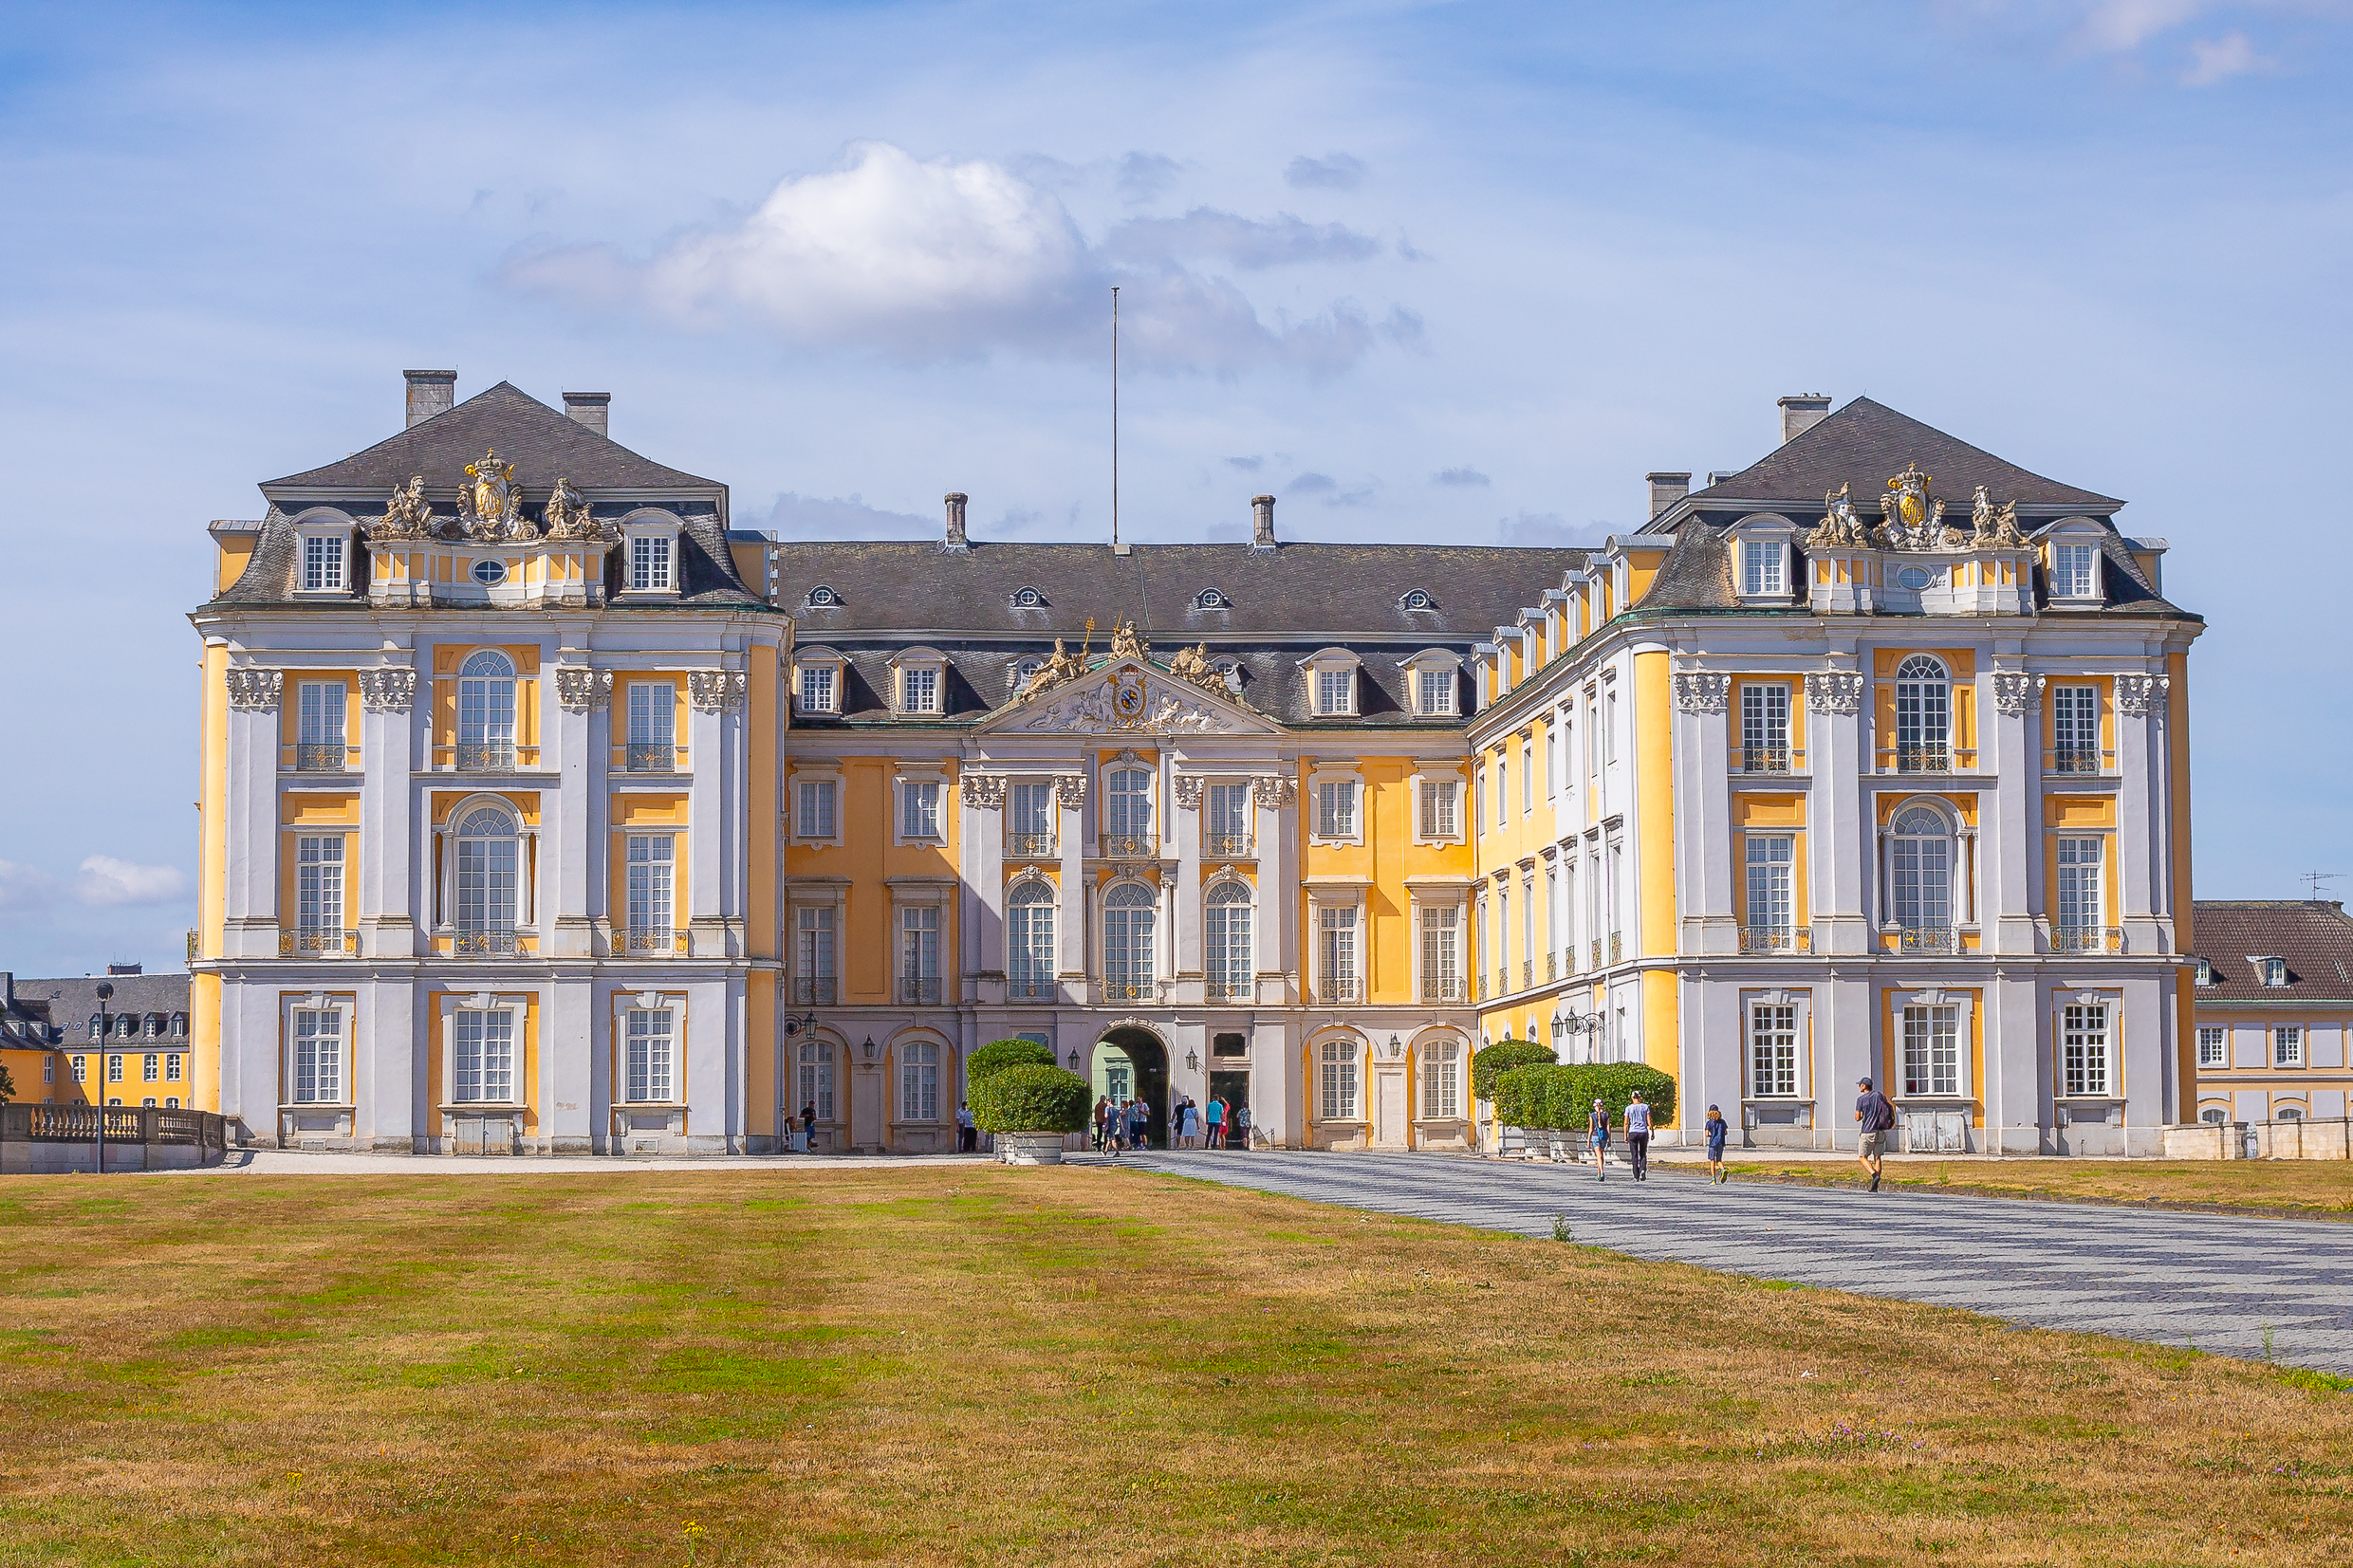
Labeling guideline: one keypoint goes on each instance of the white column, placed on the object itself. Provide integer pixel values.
(250, 898)
(1185, 817)
(1705, 844)
(1073, 817)
(981, 926)
(2139, 813)
(709, 875)
(1842, 840)
(387, 881)
(2010, 819)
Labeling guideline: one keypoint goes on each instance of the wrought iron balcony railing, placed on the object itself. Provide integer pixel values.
(1926, 757)
(487, 943)
(2075, 759)
(1441, 988)
(653, 939)
(1023, 988)
(1225, 843)
(1776, 939)
(1927, 939)
(647, 757)
(486, 756)
(2086, 938)
(1768, 757)
(1339, 988)
(1130, 846)
(1129, 990)
(305, 940)
(1028, 844)
(921, 990)
(815, 990)
(1228, 987)
(321, 757)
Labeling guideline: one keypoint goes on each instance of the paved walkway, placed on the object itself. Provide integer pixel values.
(2217, 1282)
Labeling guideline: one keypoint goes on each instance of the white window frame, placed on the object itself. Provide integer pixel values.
(1773, 1008)
(1441, 948)
(487, 1026)
(651, 526)
(1774, 853)
(1336, 926)
(1439, 1062)
(1432, 683)
(1527, 773)
(1454, 829)
(2288, 1045)
(1339, 1080)
(2072, 568)
(1230, 953)
(625, 1081)
(1964, 1036)
(914, 671)
(922, 1073)
(321, 882)
(328, 533)
(1927, 1026)
(292, 1006)
(1029, 975)
(2065, 1012)
(833, 667)
(904, 788)
(323, 715)
(816, 1078)
(816, 952)
(658, 708)
(1118, 822)
(650, 883)
(2071, 885)
(1144, 979)
(805, 830)
(1339, 662)
(1763, 568)
(2213, 1046)
(1322, 830)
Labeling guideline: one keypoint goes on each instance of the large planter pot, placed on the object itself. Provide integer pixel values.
(1030, 1148)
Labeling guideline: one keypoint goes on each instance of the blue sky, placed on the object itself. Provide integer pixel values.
(1425, 271)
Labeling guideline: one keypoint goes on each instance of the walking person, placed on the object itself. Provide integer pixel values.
(1240, 1117)
(1139, 1123)
(1638, 1136)
(1875, 1117)
(968, 1131)
(1717, 1127)
(1597, 1132)
(1102, 1103)
(1188, 1123)
(1216, 1122)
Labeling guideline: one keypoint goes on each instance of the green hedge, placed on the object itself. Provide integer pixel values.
(1490, 1062)
(1553, 1098)
(1000, 1054)
(1027, 1097)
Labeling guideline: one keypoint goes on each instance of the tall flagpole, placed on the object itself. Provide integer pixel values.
(1115, 419)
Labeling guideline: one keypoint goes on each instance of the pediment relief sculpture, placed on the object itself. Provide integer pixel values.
(1126, 643)
(407, 515)
(1131, 698)
(490, 504)
(1911, 518)
(569, 518)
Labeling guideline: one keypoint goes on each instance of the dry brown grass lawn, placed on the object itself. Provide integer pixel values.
(972, 1365)
(2320, 1190)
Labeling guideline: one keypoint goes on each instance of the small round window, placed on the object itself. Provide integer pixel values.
(1420, 600)
(1914, 578)
(489, 573)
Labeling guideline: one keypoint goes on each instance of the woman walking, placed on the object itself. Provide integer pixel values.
(1718, 1127)
(1596, 1129)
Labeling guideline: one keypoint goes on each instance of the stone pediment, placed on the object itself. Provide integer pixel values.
(1127, 696)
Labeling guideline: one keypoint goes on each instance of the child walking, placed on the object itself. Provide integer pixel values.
(1718, 1127)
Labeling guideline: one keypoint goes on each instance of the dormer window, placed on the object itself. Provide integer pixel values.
(922, 680)
(2202, 972)
(1211, 598)
(1331, 683)
(1764, 569)
(1433, 682)
(1026, 669)
(1024, 599)
(817, 682)
(650, 552)
(323, 554)
(1418, 599)
(822, 597)
(2273, 971)
(2071, 567)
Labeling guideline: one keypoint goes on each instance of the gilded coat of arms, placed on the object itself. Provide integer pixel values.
(1128, 696)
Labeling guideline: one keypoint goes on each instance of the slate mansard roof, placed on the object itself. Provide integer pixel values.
(544, 445)
(870, 601)
(2314, 936)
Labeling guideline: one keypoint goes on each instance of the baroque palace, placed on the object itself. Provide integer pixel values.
(544, 812)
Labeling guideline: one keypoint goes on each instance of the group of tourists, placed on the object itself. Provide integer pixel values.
(1121, 1125)
(1875, 1117)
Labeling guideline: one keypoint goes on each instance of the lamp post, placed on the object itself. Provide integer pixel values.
(105, 991)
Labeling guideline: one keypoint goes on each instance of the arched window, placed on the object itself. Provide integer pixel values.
(1131, 912)
(1336, 1079)
(1127, 810)
(486, 713)
(1226, 949)
(1441, 1080)
(1030, 940)
(1923, 716)
(918, 1081)
(1919, 862)
(817, 1078)
(489, 862)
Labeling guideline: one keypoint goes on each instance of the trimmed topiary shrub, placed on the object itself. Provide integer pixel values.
(1613, 1082)
(1533, 1096)
(1030, 1097)
(1000, 1054)
(1545, 1096)
(1490, 1062)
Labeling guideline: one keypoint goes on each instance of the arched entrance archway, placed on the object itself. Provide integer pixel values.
(1132, 1064)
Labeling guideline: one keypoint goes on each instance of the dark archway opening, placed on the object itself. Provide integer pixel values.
(1135, 1062)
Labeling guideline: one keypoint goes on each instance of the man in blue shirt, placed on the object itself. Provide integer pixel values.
(1875, 1116)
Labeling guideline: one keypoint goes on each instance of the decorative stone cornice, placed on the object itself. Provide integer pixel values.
(1187, 789)
(580, 690)
(1275, 791)
(717, 691)
(1071, 789)
(255, 691)
(2135, 694)
(388, 691)
(1834, 691)
(984, 790)
(2015, 691)
(1701, 691)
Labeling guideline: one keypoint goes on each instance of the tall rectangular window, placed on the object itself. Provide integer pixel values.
(813, 809)
(2075, 571)
(1771, 859)
(2288, 1047)
(1336, 1077)
(919, 809)
(1527, 777)
(318, 1056)
(1552, 758)
(1503, 771)
(483, 1055)
(318, 883)
(817, 1078)
(1609, 728)
(1503, 935)
(653, 726)
(918, 690)
(820, 686)
(2075, 728)
(1772, 1049)
(813, 955)
(1335, 952)
(650, 871)
(1438, 809)
(649, 563)
(1226, 941)
(1335, 691)
(2080, 892)
(649, 1068)
(918, 1081)
(1030, 940)
(1441, 953)
(1441, 1081)
(171, 1066)
(1761, 567)
(2213, 1047)
(2083, 1048)
(151, 1067)
(1434, 693)
(323, 562)
(1128, 804)
(321, 714)
(1931, 1049)
(1029, 818)
(919, 951)
(1335, 809)
(1527, 929)
(1226, 829)
(1765, 727)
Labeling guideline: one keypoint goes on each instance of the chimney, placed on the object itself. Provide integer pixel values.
(590, 409)
(1802, 413)
(8, 989)
(431, 392)
(955, 521)
(1262, 521)
(123, 968)
(1666, 490)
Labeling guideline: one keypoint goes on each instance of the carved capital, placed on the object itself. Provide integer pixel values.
(1834, 691)
(1187, 788)
(2136, 693)
(984, 790)
(717, 691)
(1071, 789)
(1701, 691)
(255, 691)
(580, 690)
(387, 690)
(1274, 790)
(2015, 691)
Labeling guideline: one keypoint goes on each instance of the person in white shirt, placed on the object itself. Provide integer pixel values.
(1638, 1137)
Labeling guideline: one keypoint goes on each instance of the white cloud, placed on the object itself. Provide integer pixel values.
(104, 881)
(1462, 476)
(2118, 27)
(1333, 171)
(930, 260)
(1143, 175)
(2213, 60)
(25, 887)
(796, 516)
